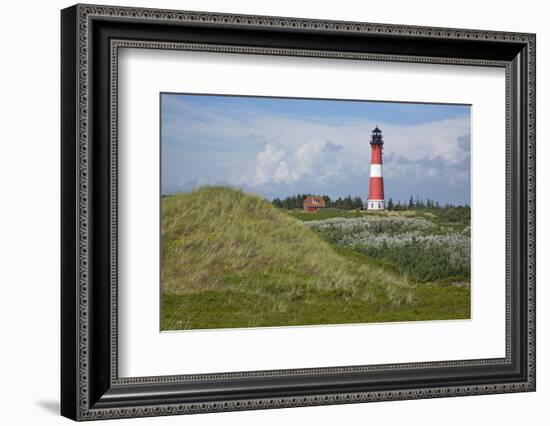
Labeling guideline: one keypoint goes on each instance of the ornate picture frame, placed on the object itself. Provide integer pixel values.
(91, 37)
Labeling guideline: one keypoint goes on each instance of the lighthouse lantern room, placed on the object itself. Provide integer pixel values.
(376, 188)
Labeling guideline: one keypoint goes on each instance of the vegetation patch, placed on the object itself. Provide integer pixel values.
(231, 259)
(418, 247)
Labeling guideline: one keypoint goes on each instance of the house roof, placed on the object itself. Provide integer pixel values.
(314, 202)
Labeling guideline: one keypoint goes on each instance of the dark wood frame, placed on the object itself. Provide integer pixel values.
(90, 386)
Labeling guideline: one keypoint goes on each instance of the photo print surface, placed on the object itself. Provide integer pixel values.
(296, 212)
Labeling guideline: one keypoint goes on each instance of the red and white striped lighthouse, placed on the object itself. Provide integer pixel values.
(376, 187)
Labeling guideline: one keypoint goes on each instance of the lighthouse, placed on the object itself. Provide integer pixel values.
(376, 187)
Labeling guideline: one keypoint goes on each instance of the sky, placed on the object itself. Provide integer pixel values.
(277, 147)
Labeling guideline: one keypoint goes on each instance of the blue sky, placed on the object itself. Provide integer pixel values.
(277, 147)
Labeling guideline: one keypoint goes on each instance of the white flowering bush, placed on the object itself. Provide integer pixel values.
(416, 246)
(390, 224)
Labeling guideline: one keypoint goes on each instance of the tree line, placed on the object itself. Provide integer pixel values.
(419, 204)
(354, 203)
(297, 202)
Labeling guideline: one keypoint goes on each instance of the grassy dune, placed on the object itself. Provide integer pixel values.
(231, 259)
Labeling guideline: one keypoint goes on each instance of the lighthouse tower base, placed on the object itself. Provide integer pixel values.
(376, 205)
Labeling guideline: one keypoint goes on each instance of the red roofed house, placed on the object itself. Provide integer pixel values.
(312, 204)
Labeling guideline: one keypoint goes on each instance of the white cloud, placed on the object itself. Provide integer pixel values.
(282, 174)
(267, 164)
(314, 159)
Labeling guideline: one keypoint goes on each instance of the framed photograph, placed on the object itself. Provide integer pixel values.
(263, 212)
